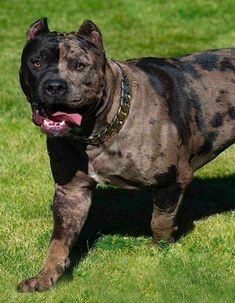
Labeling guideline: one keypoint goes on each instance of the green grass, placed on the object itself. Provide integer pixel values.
(119, 268)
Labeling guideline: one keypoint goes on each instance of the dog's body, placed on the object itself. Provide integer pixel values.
(180, 115)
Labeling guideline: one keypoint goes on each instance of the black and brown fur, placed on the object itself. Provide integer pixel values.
(182, 115)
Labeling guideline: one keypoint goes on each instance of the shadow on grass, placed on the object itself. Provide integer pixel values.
(125, 212)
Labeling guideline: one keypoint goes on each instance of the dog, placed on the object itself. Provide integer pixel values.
(142, 123)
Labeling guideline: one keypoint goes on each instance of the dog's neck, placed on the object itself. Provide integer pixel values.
(112, 110)
(111, 98)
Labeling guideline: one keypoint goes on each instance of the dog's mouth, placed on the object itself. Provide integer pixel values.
(56, 123)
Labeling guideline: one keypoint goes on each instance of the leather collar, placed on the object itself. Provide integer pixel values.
(118, 120)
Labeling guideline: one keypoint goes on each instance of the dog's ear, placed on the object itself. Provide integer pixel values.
(39, 27)
(90, 31)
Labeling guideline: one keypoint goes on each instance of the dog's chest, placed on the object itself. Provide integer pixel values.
(125, 168)
(107, 167)
(117, 168)
(134, 160)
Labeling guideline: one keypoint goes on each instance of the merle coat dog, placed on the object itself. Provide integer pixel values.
(142, 123)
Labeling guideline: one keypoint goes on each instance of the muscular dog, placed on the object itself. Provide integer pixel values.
(148, 122)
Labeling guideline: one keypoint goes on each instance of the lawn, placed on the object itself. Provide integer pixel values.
(119, 265)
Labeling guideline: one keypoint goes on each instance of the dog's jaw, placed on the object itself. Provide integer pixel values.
(56, 124)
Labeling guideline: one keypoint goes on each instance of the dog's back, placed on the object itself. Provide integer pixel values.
(199, 90)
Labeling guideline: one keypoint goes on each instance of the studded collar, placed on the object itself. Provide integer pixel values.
(118, 120)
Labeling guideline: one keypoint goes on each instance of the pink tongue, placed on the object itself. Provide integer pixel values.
(73, 117)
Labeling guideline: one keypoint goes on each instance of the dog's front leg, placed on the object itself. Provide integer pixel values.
(70, 209)
(165, 208)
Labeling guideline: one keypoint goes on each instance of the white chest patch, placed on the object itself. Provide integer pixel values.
(99, 179)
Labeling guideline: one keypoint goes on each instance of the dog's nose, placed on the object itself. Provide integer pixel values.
(55, 87)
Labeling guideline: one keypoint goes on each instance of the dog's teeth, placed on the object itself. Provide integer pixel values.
(46, 122)
(62, 123)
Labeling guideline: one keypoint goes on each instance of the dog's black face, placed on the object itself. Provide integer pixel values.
(62, 75)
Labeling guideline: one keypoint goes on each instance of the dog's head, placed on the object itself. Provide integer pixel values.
(62, 75)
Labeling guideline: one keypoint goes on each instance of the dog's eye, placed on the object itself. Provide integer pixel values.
(80, 66)
(36, 63)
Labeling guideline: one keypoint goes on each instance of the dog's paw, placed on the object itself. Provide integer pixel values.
(41, 282)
